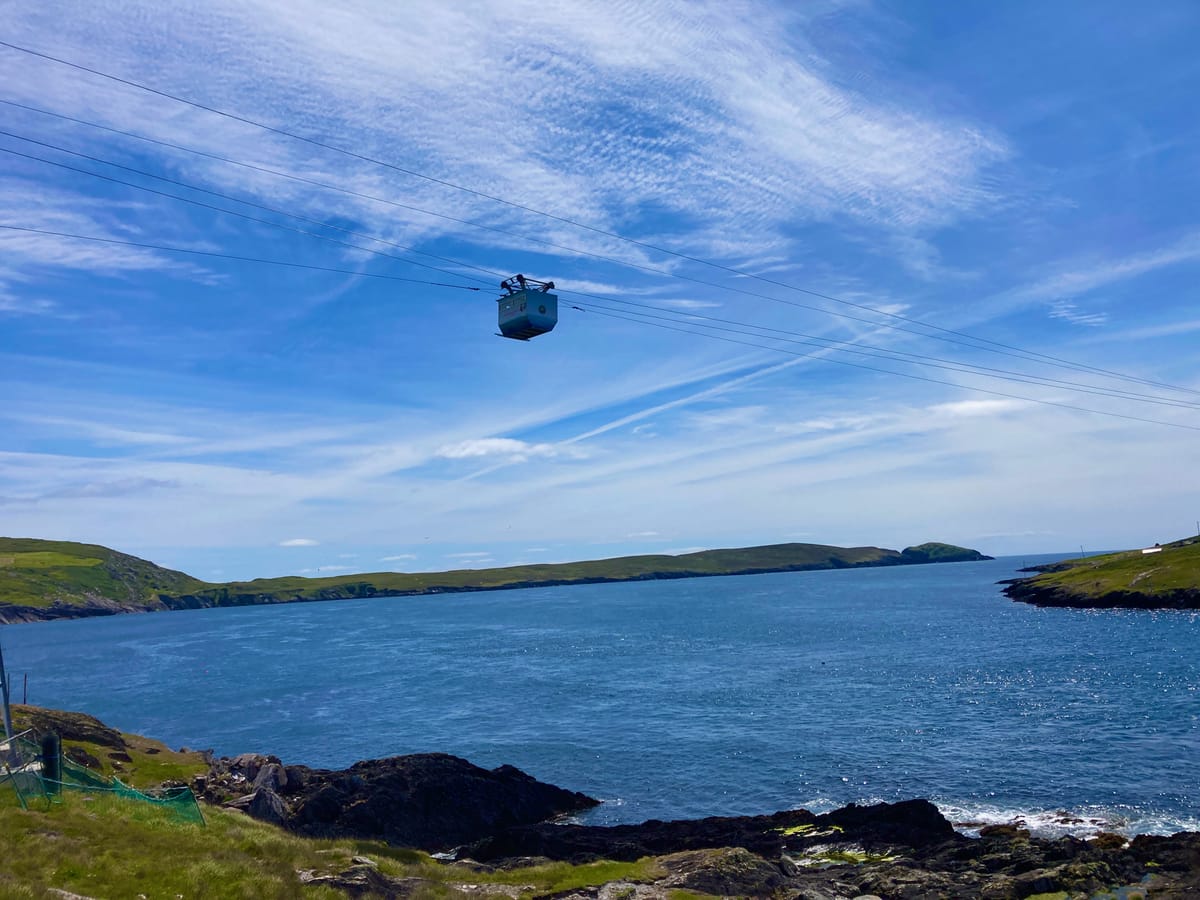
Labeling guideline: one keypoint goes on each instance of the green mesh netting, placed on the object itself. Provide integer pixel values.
(22, 768)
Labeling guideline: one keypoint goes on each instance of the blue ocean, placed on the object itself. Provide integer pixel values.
(679, 699)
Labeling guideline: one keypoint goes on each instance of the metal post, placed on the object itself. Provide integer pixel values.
(8, 729)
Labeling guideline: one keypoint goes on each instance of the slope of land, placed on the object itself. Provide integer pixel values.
(1131, 579)
(58, 579)
(92, 579)
(89, 845)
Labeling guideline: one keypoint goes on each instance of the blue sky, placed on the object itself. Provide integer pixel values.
(1023, 173)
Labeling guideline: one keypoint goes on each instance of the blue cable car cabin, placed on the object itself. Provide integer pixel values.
(528, 309)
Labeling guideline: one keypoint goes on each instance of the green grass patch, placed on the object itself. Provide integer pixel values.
(40, 574)
(47, 559)
(1176, 567)
(101, 846)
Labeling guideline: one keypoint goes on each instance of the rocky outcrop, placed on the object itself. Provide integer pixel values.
(69, 726)
(432, 801)
(914, 823)
(1029, 590)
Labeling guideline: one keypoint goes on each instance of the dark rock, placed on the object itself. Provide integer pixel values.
(82, 757)
(1028, 590)
(583, 843)
(272, 776)
(726, 872)
(912, 823)
(430, 801)
(266, 805)
(70, 726)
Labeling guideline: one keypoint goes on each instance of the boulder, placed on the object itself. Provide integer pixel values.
(267, 805)
(726, 872)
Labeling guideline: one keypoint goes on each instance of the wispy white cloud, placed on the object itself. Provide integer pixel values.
(976, 408)
(739, 131)
(1078, 277)
(690, 304)
(399, 557)
(1149, 332)
(1070, 312)
(503, 447)
(299, 542)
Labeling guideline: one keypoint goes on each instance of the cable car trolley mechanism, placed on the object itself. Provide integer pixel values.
(527, 309)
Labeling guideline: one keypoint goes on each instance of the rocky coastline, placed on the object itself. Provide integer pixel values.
(1030, 590)
(478, 820)
(1164, 576)
(483, 820)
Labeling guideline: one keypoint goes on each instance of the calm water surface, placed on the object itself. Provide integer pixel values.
(684, 698)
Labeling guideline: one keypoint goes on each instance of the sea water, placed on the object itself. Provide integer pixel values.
(685, 698)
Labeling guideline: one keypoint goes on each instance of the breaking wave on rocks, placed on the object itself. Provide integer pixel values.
(1084, 823)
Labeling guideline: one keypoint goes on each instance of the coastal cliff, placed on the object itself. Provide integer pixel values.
(43, 580)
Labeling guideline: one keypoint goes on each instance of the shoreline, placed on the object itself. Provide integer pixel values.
(173, 591)
(485, 822)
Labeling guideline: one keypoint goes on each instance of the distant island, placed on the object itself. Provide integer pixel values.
(1165, 576)
(42, 579)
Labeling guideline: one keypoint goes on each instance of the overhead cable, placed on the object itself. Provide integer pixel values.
(233, 212)
(574, 223)
(840, 362)
(792, 336)
(249, 259)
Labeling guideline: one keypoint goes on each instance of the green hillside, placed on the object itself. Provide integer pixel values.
(1169, 578)
(88, 845)
(41, 573)
(48, 579)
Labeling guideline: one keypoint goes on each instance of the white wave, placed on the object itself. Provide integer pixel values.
(1083, 822)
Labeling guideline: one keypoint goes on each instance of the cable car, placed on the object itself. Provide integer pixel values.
(528, 308)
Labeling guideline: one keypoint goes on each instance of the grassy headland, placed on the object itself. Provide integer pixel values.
(59, 579)
(92, 845)
(1166, 579)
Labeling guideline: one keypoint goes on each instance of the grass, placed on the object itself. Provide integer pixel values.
(1175, 568)
(40, 574)
(100, 845)
(138, 761)
(47, 559)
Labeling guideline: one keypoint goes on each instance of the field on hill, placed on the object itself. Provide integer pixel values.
(1175, 567)
(50, 579)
